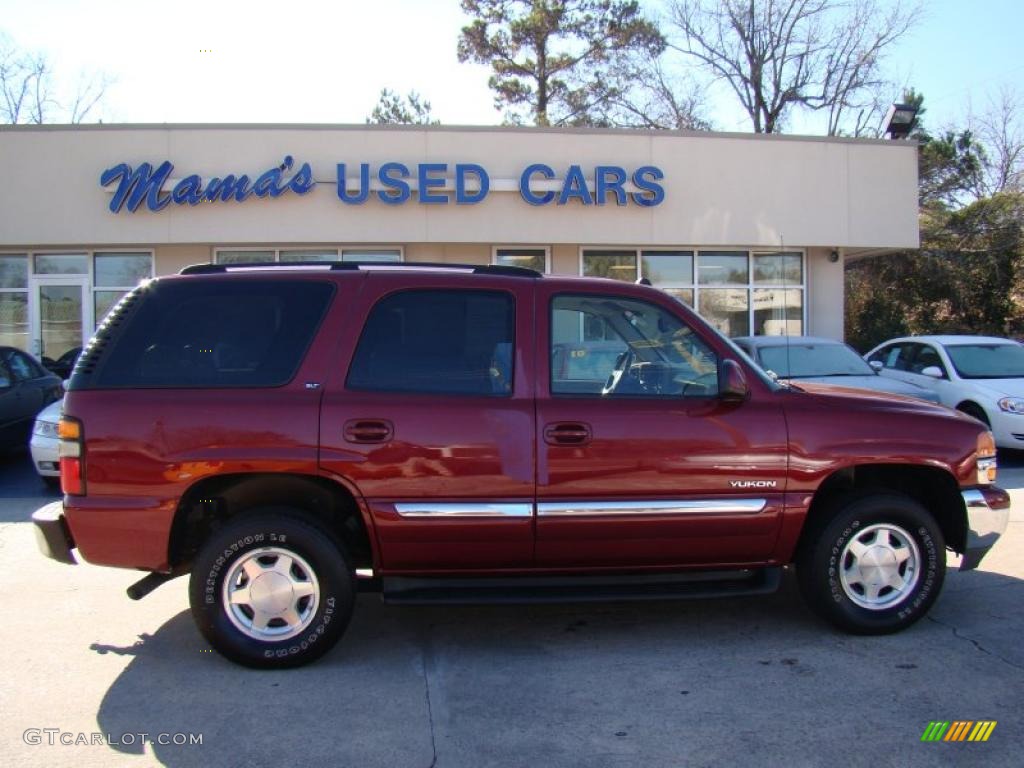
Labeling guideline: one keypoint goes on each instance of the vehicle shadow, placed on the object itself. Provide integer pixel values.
(523, 685)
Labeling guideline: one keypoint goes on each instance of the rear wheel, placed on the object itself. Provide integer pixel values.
(876, 566)
(271, 589)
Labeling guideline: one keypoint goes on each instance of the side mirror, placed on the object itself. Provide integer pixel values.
(733, 385)
(876, 366)
(933, 371)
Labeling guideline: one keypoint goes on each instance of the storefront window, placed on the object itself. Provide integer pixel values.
(14, 319)
(723, 268)
(530, 258)
(778, 311)
(376, 254)
(618, 265)
(13, 271)
(739, 292)
(61, 264)
(285, 255)
(309, 254)
(778, 269)
(114, 274)
(244, 257)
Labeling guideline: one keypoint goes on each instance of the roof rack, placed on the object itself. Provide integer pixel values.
(350, 266)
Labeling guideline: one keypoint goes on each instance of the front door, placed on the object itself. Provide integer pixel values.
(640, 463)
(60, 314)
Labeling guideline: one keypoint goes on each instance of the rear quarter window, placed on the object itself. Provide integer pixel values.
(214, 334)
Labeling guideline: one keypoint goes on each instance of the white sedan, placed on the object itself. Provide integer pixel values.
(980, 375)
(44, 443)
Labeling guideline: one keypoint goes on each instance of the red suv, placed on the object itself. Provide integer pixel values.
(439, 433)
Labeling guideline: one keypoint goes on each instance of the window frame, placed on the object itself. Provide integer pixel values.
(695, 287)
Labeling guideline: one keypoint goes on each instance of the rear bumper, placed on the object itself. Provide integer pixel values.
(988, 512)
(52, 534)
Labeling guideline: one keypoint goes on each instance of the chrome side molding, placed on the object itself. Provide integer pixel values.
(472, 509)
(633, 508)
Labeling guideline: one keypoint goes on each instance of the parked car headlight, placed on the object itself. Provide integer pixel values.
(45, 429)
(1011, 405)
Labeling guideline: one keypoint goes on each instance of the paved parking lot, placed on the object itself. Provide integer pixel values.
(751, 682)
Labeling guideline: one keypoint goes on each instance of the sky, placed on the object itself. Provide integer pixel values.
(325, 61)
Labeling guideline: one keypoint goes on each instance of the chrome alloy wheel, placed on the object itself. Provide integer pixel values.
(271, 594)
(879, 566)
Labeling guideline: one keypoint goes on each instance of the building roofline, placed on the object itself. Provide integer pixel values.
(524, 130)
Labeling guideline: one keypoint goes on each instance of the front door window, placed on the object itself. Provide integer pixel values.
(59, 316)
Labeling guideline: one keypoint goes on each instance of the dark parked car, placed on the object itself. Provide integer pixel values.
(25, 389)
(64, 364)
(823, 361)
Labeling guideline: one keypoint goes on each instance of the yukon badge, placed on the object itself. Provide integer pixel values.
(752, 483)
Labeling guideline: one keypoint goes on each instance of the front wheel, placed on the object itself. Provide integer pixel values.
(875, 567)
(271, 589)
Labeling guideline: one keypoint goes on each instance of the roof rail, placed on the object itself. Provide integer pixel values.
(349, 266)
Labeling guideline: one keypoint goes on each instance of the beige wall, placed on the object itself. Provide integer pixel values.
(825, 294)
(719, 189)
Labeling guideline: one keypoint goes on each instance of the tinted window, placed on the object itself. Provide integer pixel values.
(447, 342)
(21, 366)
(895, 357)
(5, 377)
(927, 357)
(217, 333)
(644, 350)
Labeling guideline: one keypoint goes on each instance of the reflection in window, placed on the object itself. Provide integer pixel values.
(645, 351)
(723, 268)
(14, 319)
(668, 268)
(726, 309)
(121, 270)
(244, 257)
(309, 254)
(778, 269)
(61, 264)
(618, 265)
(13, 271)
(529, 258)
(778, 311)
(378, 255)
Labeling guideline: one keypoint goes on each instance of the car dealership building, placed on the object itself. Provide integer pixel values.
(751, 230)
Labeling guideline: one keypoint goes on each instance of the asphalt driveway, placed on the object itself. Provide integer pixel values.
(740, 682)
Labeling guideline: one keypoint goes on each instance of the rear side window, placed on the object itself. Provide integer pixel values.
(215, 334)
(437, 342)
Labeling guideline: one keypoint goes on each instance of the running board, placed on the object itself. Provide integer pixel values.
(580, 589)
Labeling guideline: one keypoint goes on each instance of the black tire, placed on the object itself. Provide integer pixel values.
(885, 527)
(976, 411)
(271, 538)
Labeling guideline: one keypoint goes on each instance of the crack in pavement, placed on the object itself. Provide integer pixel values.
(975, 643)
(428, 664)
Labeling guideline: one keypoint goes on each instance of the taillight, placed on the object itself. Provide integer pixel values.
(72, 448)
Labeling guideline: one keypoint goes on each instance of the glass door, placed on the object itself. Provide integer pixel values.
(60, 315)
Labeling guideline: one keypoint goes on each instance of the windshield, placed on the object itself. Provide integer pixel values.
(988, 361)
(802, 360)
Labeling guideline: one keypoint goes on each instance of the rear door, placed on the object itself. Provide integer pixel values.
(640, 463)
(430, 414)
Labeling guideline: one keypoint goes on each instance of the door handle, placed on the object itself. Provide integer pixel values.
(567, 433)
(368, 431)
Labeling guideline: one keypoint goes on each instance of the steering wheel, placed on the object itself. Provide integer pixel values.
(622, 365)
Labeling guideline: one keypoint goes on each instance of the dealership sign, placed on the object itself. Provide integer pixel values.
(391, 183)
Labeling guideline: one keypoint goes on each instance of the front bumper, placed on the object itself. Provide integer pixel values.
(52, 534)
(988, 512)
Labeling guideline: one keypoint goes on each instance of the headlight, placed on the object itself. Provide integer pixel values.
(985, 460)
(1011, 405)
(45, 429)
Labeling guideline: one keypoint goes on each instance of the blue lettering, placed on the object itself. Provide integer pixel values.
(138, 185)
(302, 182)
(575, 186)
(399, 185)
(426, 182)
(269, 183)
(524, 184)
(646, 178)
(364, 185)
(188, 190)
(609, 178)
(462, 195)
(228, 187)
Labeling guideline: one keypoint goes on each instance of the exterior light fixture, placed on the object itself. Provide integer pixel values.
(899, 120)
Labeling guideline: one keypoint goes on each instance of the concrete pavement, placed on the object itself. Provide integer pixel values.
(753, 682)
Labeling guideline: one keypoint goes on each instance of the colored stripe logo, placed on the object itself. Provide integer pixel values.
(958, 730)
